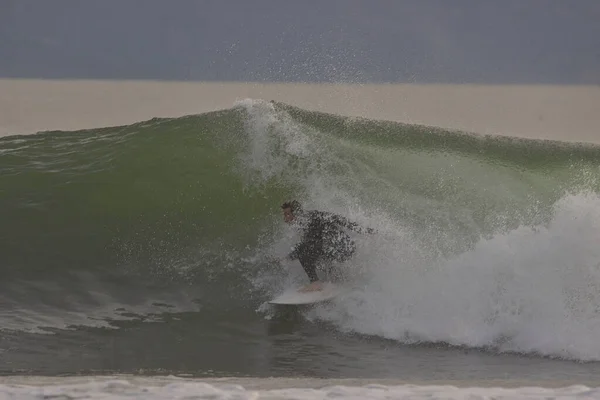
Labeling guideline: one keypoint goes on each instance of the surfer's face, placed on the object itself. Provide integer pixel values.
(288, 215)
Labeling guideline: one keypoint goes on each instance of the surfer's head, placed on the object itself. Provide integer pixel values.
(290, 209)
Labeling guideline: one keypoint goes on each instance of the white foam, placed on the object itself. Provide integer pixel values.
(528, 291)
(176, 388)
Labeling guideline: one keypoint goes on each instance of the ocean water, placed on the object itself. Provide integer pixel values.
(150, 249)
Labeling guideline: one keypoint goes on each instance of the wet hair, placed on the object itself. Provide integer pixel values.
(293, 205)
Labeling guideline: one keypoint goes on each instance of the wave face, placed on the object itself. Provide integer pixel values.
(482, 241)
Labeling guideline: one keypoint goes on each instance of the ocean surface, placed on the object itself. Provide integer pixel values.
(150, 249)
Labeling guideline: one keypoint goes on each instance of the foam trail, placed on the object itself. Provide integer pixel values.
(174, 388)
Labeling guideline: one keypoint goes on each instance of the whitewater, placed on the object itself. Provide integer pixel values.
(295, 389)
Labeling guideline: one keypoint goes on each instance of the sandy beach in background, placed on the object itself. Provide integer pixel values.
(567, 113)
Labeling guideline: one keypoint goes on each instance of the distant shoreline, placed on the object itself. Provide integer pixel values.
(559, 112)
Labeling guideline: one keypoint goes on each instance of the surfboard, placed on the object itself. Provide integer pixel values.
(294, 297)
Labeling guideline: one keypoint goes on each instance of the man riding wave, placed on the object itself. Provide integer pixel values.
(323, 241)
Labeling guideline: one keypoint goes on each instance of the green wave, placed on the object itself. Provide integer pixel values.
(191, 197)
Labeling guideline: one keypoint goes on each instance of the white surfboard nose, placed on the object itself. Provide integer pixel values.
(295, 297)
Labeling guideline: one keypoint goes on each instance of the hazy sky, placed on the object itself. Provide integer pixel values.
(454, 41)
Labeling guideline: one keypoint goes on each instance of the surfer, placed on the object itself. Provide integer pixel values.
(323, 240)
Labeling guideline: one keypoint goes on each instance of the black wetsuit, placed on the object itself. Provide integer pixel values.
(323, 241)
